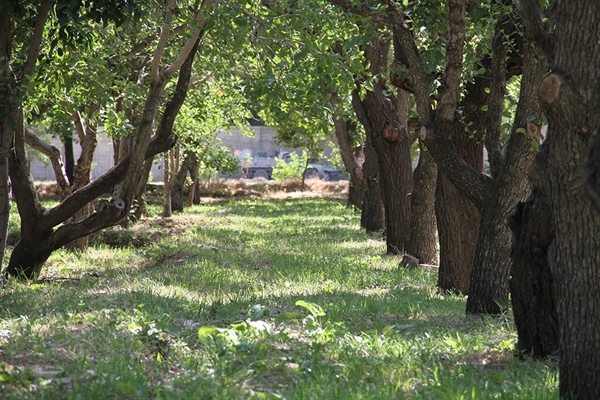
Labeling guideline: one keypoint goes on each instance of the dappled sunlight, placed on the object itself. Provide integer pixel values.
(139, 297)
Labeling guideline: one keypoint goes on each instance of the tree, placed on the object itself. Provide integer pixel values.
(569, 95)
(40, 234)
(488, 290)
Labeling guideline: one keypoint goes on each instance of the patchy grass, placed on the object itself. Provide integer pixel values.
(277, 298)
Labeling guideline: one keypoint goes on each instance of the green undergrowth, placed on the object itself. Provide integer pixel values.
(257, 299)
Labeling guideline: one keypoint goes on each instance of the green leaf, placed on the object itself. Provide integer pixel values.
(315, 309)
(521, 130)
(387, 330)
(5, 376)
(484, 108)
(207, 332)
(286, 316)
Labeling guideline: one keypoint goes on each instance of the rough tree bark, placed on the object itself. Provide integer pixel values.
(391, 142)
(531, 280)
(423, 228)
(13, 84)
(570, 99)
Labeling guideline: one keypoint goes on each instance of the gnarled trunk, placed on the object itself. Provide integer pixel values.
(423, 228)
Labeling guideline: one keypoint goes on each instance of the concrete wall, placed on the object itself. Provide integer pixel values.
(262, 142)
(41, 170)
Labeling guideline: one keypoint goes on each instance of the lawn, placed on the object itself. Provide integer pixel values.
(258, 299)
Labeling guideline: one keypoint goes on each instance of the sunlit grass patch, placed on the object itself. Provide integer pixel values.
(252, 299)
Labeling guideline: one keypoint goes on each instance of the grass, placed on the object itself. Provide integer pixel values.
(252, 299)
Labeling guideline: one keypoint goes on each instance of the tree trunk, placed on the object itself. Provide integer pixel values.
(352, 157)
(423, 227)
(389, 138)
(373, 212)
(571, 102)
(69, 159)
(489, 284)
(531, 283)
(194, 166)
(457, 216)
(167, 179)
(178, 186)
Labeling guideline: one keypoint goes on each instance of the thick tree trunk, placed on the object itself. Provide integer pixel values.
(390, 141)
(489, 284)
(389, 138)
(423, 227)
(531, 285)
(571, 102)
(457, 217)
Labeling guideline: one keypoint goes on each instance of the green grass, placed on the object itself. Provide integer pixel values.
(123, 321)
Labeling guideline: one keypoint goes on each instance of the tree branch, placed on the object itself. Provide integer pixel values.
(495, 102)
(190, 43)
(533, 20)
(36, 41)
(54, 155)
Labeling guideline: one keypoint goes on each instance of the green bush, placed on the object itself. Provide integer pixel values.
(290, 170)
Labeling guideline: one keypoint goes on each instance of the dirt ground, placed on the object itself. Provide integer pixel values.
(243, 188)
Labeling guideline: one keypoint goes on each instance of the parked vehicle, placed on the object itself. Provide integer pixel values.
(321, 169)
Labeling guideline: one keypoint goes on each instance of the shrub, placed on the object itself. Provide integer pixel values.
(290, 170)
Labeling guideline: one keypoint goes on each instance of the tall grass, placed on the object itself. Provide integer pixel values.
(252, 299)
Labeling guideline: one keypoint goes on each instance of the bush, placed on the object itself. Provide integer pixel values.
(290, 170)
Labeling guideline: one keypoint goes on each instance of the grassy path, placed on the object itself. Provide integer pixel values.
(252, 299)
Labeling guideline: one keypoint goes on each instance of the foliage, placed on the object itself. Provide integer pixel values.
(296, 303)
(290, 169)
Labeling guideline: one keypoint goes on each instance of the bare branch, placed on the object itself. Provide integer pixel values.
(54, 155)
(162, 43)
(190, 42)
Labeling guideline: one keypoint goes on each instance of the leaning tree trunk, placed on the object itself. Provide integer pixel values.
(47, 228)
